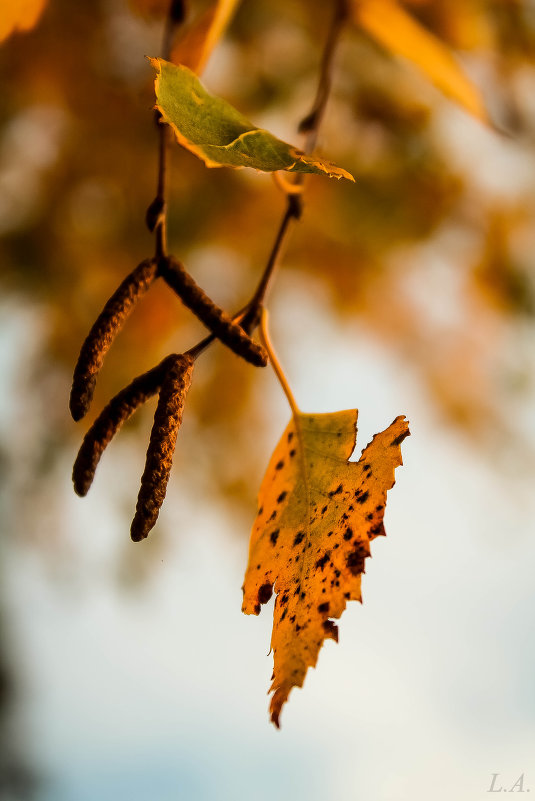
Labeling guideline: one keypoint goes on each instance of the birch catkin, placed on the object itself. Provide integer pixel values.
(167, 420)
(213, 317)
(110, 420)
(102, 334)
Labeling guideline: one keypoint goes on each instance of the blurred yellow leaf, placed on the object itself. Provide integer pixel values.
(395, 29)
(317, 514)
(19, 15)
(194, 48)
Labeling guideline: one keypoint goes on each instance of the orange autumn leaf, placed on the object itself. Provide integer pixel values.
(317, 514)
(396, 30)
(194, 48)
(19, 15)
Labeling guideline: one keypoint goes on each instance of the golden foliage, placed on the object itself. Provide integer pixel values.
(19, 15)
(317, 515)
(395, 29)
(194, 48)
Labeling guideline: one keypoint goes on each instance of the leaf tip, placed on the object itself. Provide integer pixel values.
(155, 63)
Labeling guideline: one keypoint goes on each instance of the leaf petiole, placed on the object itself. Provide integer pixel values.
(279, 372)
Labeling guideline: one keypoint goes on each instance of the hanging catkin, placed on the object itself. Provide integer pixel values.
(102, 334)
(110, 420)
(167, 420)
(213, 317)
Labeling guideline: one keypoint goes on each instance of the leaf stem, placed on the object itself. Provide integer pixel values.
(279, 372)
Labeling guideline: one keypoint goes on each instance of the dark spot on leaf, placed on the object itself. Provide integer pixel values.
(284, 614)
(298, 590)
(355, 560)
(370, 516)
(399, 440)
(337, 491)
(274, 536)
(299, 537)
(272, 516)
(292, 619)
(361, 497)
(303, 595)
(260, 510)
(282, 496)
(330, 534)
(347, 596)
(324, 510)
(379, 507)
(337, 573)
(324, 607)
(366, 466)
(290, 436)
(292, 453)
(348, 533)
(279, 465)
(331, 629)
(297, 627)
(264, 593)
(257, 609)
(378, 530)
(284, 599)
(323, 561)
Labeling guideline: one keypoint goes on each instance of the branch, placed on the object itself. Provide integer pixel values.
(156, 216)
(310, 125)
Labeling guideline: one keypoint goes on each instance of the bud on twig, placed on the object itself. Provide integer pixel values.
(167, 420)
(110, 420)
(99, 339)
(213, 317)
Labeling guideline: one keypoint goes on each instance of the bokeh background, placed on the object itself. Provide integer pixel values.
(128, 670)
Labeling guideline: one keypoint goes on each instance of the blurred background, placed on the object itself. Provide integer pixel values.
(128, 670)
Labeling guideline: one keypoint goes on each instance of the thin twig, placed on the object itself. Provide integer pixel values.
(250, 316)
(309, 125)
(157, 211)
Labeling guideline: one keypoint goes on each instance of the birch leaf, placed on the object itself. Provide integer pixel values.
(390, 25)
(317, 514)
(220, 135)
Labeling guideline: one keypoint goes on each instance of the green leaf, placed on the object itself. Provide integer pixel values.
(218, 134)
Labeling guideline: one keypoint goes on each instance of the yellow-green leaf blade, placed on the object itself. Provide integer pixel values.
(318, 513)
(219, 134)
(390, 25)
